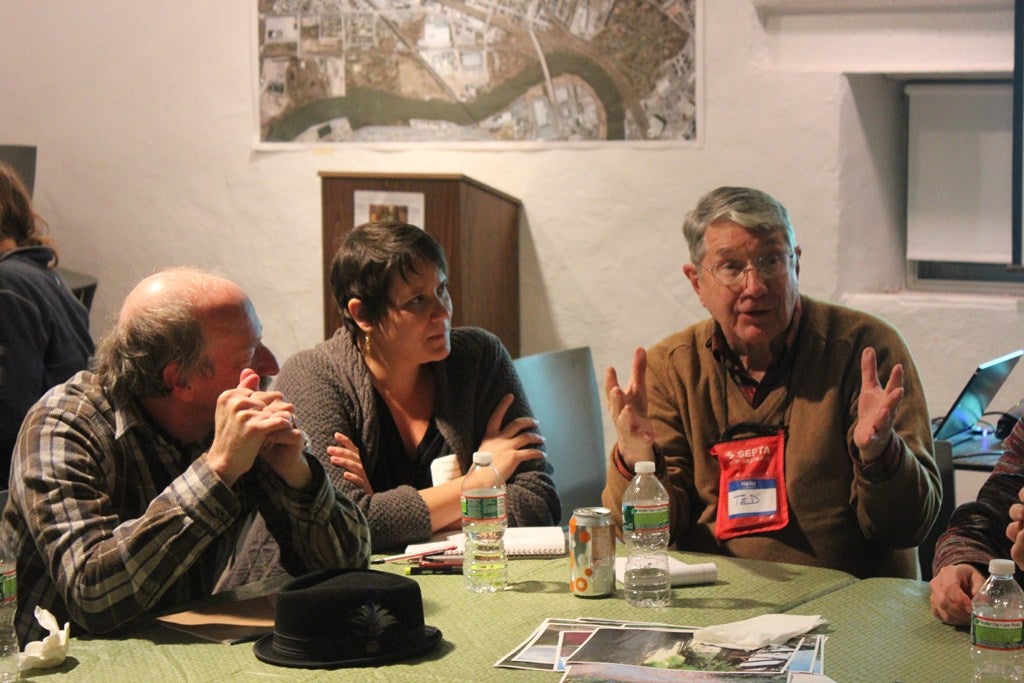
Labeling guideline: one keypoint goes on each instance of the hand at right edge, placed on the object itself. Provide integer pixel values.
(952, 590)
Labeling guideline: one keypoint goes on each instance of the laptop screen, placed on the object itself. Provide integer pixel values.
(979, 391)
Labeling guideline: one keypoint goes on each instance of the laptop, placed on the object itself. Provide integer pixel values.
(981, 388)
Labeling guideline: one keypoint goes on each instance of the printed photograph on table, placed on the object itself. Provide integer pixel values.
(668, 649)
(599, 649)
(808, 656)
(805, 654)
(542, 651)
(569, 642)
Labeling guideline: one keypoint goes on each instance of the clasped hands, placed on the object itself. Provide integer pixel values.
(250, 422)
(877, 407)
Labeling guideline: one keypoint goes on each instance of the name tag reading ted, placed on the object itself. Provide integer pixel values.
(752, 497)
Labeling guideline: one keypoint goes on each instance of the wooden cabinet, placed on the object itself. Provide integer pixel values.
(477, 225)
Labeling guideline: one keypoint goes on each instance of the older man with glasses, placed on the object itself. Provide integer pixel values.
(784, 428)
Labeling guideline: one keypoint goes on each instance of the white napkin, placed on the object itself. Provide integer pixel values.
(758, 632)
(52, 649)
(679, 573)
(444, 469)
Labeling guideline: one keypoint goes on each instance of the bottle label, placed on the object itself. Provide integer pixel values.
(483, 508)
(9, 586)
(645, 517)
(997, 634)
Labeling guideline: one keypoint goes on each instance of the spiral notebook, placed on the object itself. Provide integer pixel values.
(520, 541)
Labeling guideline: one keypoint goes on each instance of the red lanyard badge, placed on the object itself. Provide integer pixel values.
(752, 485)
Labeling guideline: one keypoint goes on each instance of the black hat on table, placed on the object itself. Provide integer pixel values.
(339, 618)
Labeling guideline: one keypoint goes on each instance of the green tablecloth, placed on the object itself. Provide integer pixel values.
(883, 630)
(478, 629)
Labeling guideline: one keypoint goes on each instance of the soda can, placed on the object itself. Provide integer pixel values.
(592, 552)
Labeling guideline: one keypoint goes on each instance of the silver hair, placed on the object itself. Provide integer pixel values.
(751, 209)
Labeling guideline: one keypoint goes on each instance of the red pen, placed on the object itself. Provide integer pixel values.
(432, 563)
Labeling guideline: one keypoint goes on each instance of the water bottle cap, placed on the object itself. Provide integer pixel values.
(1001, 567)
(482, 458)
(644, 467)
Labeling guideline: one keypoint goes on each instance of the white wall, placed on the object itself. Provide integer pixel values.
(143, 114)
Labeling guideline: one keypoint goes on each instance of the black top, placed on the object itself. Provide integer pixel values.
(44, 338)
(397, 467)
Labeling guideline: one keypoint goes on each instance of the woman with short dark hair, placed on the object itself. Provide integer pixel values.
(396, 389)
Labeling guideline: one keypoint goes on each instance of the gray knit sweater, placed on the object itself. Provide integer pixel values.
(332, 392)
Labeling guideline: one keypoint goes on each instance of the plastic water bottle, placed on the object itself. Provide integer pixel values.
(484, 562)
(645, 530)
(997, 626)
(9, 652)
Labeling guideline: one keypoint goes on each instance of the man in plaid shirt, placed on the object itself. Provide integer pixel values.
(132, 485)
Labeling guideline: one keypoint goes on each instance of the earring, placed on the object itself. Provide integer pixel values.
(366, 344)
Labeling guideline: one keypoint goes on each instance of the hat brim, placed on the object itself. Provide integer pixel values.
(264, 649)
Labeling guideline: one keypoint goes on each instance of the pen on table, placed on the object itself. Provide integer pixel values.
(249, 637)
(434, 564)
(450, 557)
(413, 556)
(447, 569)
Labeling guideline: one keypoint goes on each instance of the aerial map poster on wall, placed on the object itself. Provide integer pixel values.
(337, 71)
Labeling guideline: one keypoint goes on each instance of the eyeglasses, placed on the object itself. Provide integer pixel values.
(733, 272)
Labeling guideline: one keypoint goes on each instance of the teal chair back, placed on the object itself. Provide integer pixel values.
(562, 390)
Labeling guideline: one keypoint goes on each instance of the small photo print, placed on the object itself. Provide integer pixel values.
(406, 207)
(541, 650)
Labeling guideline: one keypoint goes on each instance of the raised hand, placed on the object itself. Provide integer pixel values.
(628, 409)
(513, 443)
(877, 407)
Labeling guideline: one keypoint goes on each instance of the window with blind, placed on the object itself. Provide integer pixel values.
(959, 182)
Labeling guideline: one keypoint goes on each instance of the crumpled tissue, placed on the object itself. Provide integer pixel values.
(52, 649)
(758, 632)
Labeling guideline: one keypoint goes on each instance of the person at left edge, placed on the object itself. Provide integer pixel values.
(44, 329)
(132, 485)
